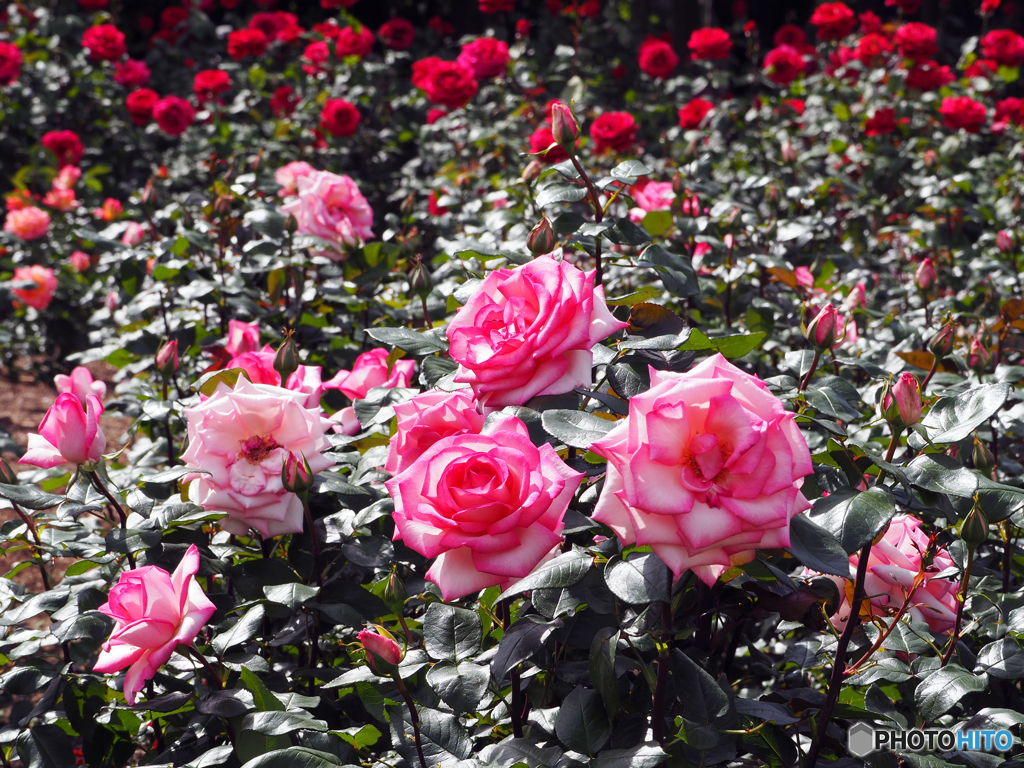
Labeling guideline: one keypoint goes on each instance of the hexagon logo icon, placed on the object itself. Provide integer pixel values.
(860, 739)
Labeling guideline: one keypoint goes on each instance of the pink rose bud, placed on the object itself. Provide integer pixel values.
(68, 434)
(564, 128)
(826, 329)
(113, 301)
(68, 177)
(978, 356)
(532, 171)
(7, 475)
(80, 384)
(296, 475)
(242, 337)
(154, 611)
(941, 344)
(857, 297)
(788, 155)
(924, 277)
(167, 358)
(134, 234)
(79, 261)
(905, 395)
(1004, 241)
(541, 239)
(382, 651)
(286, 361)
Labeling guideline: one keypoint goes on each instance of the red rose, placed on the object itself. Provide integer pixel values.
(1003, 45)
(797, 105)
(397, 34)
(523, 28)
(554, 7)
(173, 16)
(316, 54)
(434, 114)
(10, 63)
(872, 50)
(93, 5)
(790, 34)
(432, 207)
(497, 6)
(328, 29)
(927, 76)
(140, 105)
(277, 25)
(619, 72)
(131, 73)
(657, 58)
(230, 4)
(105, 42)
(882, 122)
(989, 7)
(833, 20)
(485, 57)
(351, 42)
(246, 42)
(784, 64)
(615, 131)
(283, 101)
(710, 43)
(209, 84)
(421, 70)
(339, 117)
(174, 115)
(441, 27)
(540, 140)
(692, 114)
(450, 84)
(65, 145)
(916, 41)
(982, 68)
(870, 23)
(963, 112)
(590, 9)
(1010, 110)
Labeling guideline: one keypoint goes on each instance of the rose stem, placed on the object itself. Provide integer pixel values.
(964, 586)
(28, 521)
(661, 686)
(595, 202)
(415, 718)
(95, 477)
(810, 371)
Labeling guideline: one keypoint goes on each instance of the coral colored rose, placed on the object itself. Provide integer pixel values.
(614, 131)
(140, 105)
(963, 112)
(541, 139)
(246, 42)
(397, 34)
(353, 42)
(916, 41)
(79, 261)
(45, 281)
(68, 177)
(881, 122)
(893, 564)
(657, 58)
(928, 76)
(105, 42)
(833, 21)
(1005, 46)
(692, 114)
(784, 64)
(706, 469)
(332, 208)
(209, 84)
(28, 223)
(790, 34)
(131, 73)
(873, 49)
(80, 383)
(174, 115)
(10, 63)
(449, 84)
(133, 234)
(154, 611)
(487, 506)
(111, 210)
(65, 146)
(61, 200)
(283, 101)
(653, 196)
(371, 371)
(242, 436)
(380, 649)
(709, 43)
(485, 57)
(242, 337)
(530, 331)
(497, 6)
(68, 434)
(288, 176)
(339, 117)
(427, 418)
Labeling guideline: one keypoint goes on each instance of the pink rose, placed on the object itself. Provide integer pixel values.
(427, 418)
(487, 506)
(68, 177)
(133, 234)
(370, 371)
(288, 177)
(332, 208)
(45, 282)
(80, 384)
(380, 648)
(154, 610)
(259, 367)
(242, 337)
(706, 469)
(68, 434)
(79, 261)
(28, 223)
(654, 196)
(529, 331)
(345, 422)
(485, 57)
(241, 437)
(893, 564)
(907, 394)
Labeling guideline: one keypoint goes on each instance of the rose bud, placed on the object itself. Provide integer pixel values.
(286, 361)
(296, 474)
(983, 459)
(541, 239)
(924, 276)
(974, 530)
(395, 593)
(167, 358)
(382, 651)
(901, 403)
(978, 356)
(68, 433)
(420, 281)
(532, 171)
(7, 475)
(941, 344)
(1004, 241)
(291, 224)
(823, 329)
(788, 155)
(564, 128)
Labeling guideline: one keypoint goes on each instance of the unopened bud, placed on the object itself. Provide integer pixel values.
(901, 403)
(541, 239)
(983, 459)
(167, 359)
(825, 331)
(420, 281)
(978, 356)
(924, 275)
(532, 171)
(286, 361)
(7, 475)
(296, 474)
(564, 128)
(382, 651)
(395, 593)
(974, 530)
(291, 224)
(941, 344)
(1004, 241)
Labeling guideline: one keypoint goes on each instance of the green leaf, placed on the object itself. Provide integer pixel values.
(207, 384)
(826, 400)
(1003, 659)
(292, 595)
(560, 192)
(638, 296)
(294, 757)
(640, 756)
(45, 746)
(520, 641)
(450, 633)
(602, 668)
(29, 497)
(445, 742)
(460, 686)
(264, 700)
(658, 222)
(816, 548)
(566, 570)
(242, 631)
(854, 517)
(582, 724)
(281, 723)
(942, 474)
(639, 579)
(952, 419)
(628, 171)
(409, 340)
(360, 738)
(937, 693)
(576, 428)
(676, 271)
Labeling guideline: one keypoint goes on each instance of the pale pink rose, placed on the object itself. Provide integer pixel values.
(134, 234)
(332, 208)
(857, 297)
(706, 469)
(154, 611)
(80, 384)
(654, 196)
(370, 371)
(427, 418)
(62, 200)
(28, 223)
(892, 565)
(380, 648)
(345, 422)
(79, 261)
(529, 331)
(487, 506)
(68, 177)
(45, 281)
(68, 434)
(241, 437)
(288, 177)
(242, 337)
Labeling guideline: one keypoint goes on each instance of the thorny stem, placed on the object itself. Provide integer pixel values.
(918, 581)
(413, 716)
(516, 708)
(964, 586)
(810, 371)
(661, 686)
(95, 477)
(426, 314)
(931, 372)
(595, 203)
(316, 542)
(28, 521)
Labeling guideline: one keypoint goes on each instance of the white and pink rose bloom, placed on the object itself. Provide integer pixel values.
(68, 434)
(154, 611)
(706, 469)
(426, 419)
(332, 208)
(487, 507)
(530, 331)
(241, 437)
